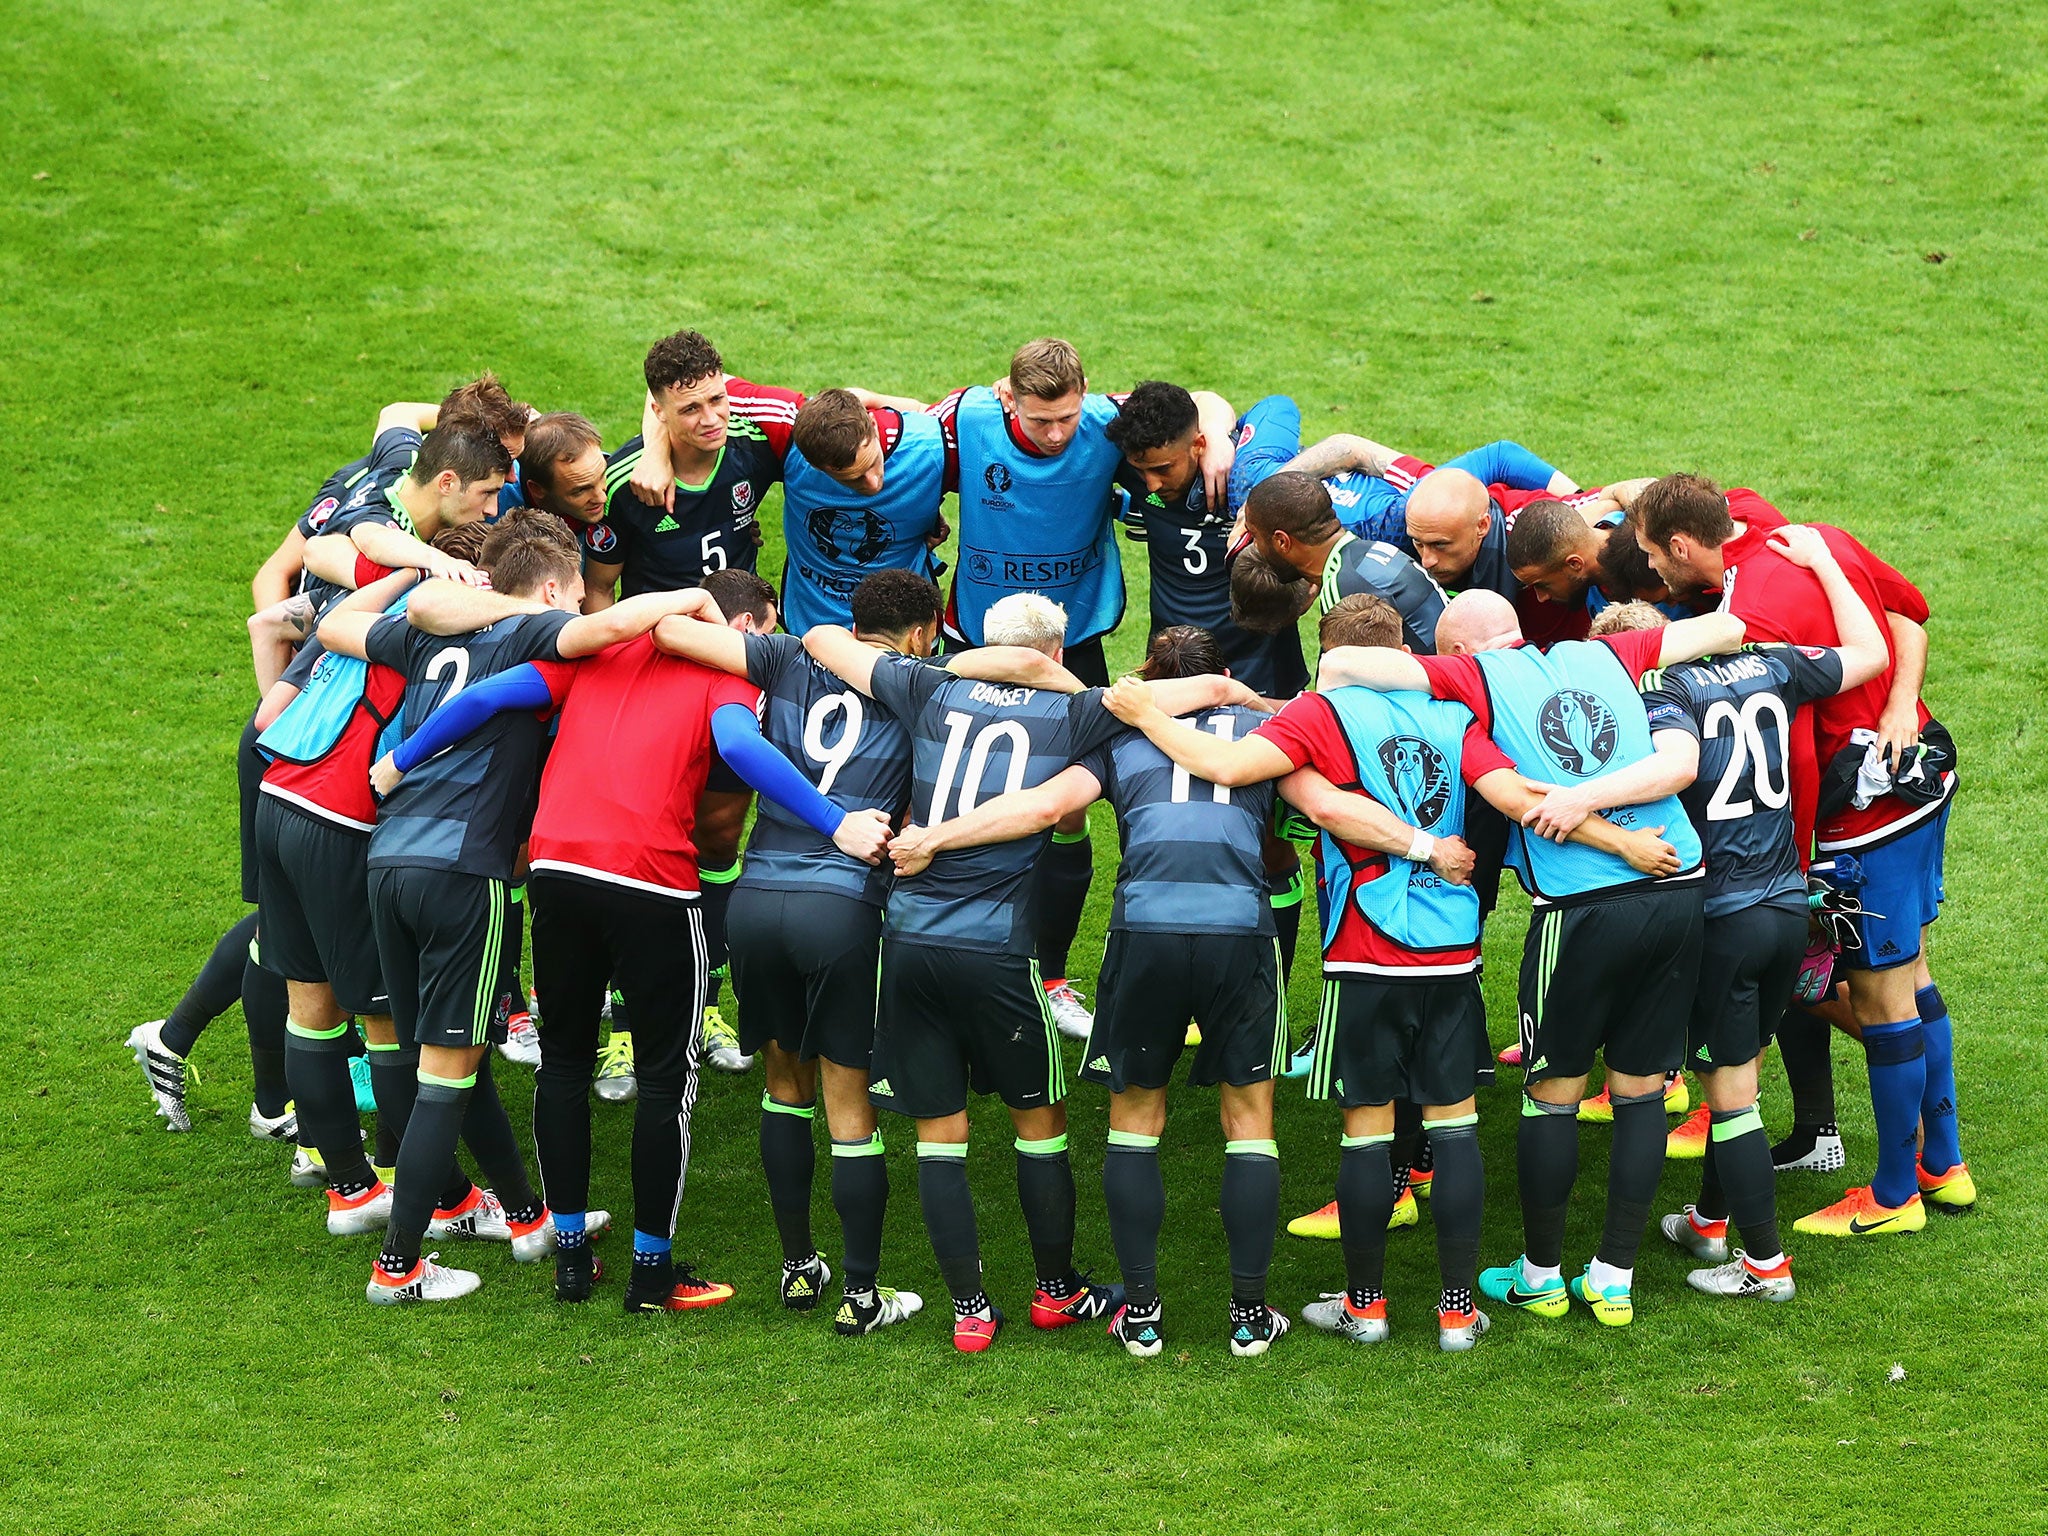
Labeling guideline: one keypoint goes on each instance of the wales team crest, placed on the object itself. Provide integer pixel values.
(1578, 730)
(1420, 777)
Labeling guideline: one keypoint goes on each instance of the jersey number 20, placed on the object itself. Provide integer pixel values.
(1752, 757)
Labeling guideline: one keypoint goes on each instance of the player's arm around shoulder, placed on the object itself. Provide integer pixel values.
(1706, 634)
(1017, 665)
(443, 607)
(1862, 647)
(698, 632)
(346, 628)
(1371, 666)
(833, 647)
(1231, 764)
(589, 633)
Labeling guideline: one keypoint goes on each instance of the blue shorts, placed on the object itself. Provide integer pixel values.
(1902, 893)
(1268, 435)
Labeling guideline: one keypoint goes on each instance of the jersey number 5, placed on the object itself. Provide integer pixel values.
(958, 725)
(1752, 755)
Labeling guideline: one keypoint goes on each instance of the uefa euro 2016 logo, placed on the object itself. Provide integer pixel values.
(856, 532)
(1578, 730)
(997, 478)
(1420, 777)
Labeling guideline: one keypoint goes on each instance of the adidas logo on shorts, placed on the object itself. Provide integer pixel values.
(1099, 1064)
(1886, 949)
(881, 1085)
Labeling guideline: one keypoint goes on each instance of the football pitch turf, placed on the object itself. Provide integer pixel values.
(1798, 252)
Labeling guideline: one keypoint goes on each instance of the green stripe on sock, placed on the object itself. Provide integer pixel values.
(942, 1149)
(1252, 1148)
(872, 1147)
(801, 1111)
(1133, 1139)
(1051, 1146)
(293, 1027)
(1451, 1124)
(375, 1046)
(1348, 1142)
(432, 1081)
(1740, 1123)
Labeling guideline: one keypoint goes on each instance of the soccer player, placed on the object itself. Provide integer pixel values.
(1031, 460)
(1611, 959)
(613, 875)
(562, 468)
(1295, 527)
(861, 492)
(1187, 540)
(683, 499)
(1874, 775)
(439, 863)
(1722, 729)
(961, 1006)
(1191, 936)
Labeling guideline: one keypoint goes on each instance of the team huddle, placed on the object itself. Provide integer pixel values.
(501, 669)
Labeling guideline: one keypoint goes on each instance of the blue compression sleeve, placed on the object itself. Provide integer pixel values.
(521, 688)
(1505, 463)
(756, 760)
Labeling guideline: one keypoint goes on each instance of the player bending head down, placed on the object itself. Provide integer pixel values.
(1266, 598)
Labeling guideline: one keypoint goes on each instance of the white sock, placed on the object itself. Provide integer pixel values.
(1534, 1275)
(1764, 1266)
(1603, 1276)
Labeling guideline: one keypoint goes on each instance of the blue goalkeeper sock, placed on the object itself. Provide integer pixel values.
(1898, 1081)
(1943, 1148)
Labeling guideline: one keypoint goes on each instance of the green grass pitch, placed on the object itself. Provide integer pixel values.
(1799, 248)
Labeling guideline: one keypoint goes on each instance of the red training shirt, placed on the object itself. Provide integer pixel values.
(618, 800)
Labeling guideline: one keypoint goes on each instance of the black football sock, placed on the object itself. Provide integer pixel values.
(949, 1221)
(860, 1193)
(487, 1131)
(1251, 1215)
(1635, 1164)
(1135, 1193)
(1546, 1167)
(1743, 1151)
(263, 1009)
(1045, 1189)
(1407, 1143)
(1805, 1043)
(1286, 904)
(316, 1069)
(1457, 1201)
(714, 895)
(394, 1084)
(1059, 892)
(789, 1158)
(1712, 1204)
(1365, 1203)
(216, 989)
(512, 947)
(423, 1161)
(561, 1125)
